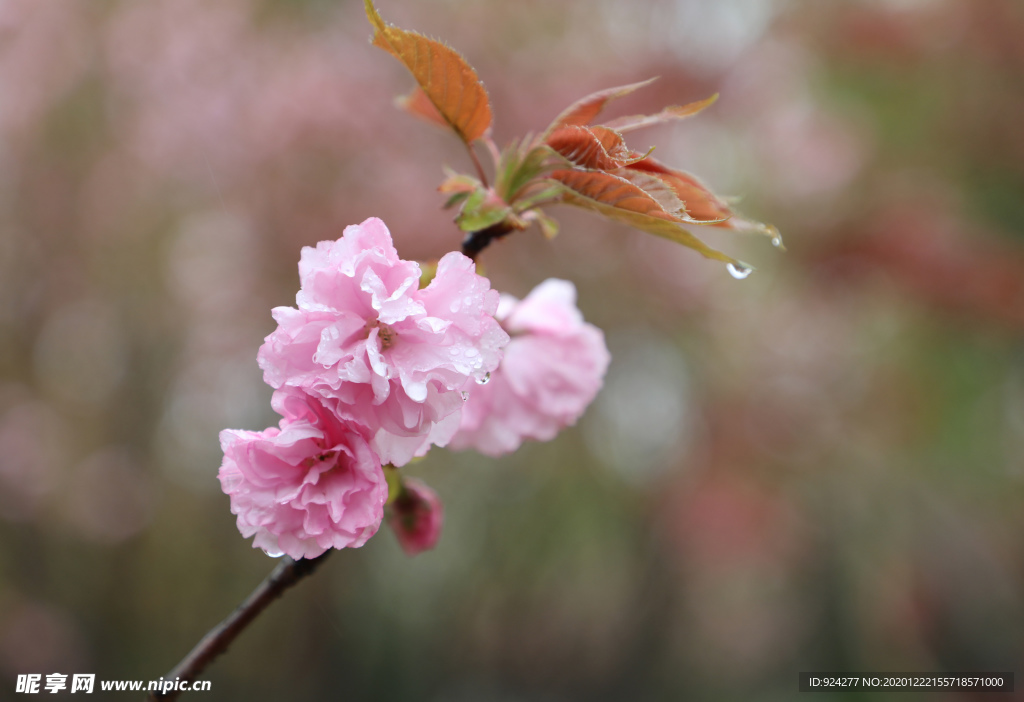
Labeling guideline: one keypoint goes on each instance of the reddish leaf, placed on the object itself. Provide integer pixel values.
(583, 111)
(583, 148)
(618, 199)
(418, 104)
(628, 124)
(448, 82)
(611, 190)
(700, 203)
(612, 142)
(657, 188)
(596, 148)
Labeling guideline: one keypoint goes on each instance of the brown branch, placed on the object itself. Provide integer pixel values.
(287, 573)
(477, 241)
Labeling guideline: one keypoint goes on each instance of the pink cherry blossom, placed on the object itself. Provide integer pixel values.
(310, 485)
(378, 349)
(416, 516)
(552, 369)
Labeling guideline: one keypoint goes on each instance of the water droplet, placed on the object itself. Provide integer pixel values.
(455, 306)
(738, 271)
(472, 352)
(465, 395)
(483, 381)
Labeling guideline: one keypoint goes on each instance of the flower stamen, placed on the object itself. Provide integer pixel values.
(386, 334)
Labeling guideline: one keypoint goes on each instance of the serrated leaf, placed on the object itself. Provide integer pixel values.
(419, 105)
(620, 200)
(585, 149)
(447, 80)
(702, 205)
(611, 190)
(657, 188)
(583, 111)
(628, 124)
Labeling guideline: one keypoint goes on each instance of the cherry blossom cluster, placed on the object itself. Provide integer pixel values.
(370, 370)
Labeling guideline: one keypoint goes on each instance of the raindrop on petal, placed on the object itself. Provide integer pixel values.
(483, 381)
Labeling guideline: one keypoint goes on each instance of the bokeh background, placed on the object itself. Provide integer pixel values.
(817, 468)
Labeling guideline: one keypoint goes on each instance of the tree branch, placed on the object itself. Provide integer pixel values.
(286, 574)
(477, 241)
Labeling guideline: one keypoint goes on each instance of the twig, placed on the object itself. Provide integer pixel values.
(477, 241)
(476, 162)
(286, 574)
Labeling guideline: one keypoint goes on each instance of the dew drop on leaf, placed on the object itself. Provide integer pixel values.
(739, 272)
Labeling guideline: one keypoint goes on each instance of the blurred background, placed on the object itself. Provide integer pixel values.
(820, 467)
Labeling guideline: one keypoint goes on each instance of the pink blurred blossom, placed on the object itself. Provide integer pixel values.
(207, 92)
(311, 485)
(553, 368)
(416, 517)
(378, 349)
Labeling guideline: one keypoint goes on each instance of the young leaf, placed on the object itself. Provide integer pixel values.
(458, 186)
(628, 124)
(657, 188)
(612, 191)
(419, 105)
(458, 182)
(519, 165)
(455, 199)
(583, 111)
(620, 200)
(448, 82)
(540, 193)
(586, 150)
(613, 143)
(700, 203)
(482, 209)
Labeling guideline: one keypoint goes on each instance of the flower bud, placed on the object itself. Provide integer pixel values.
(415, 516)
